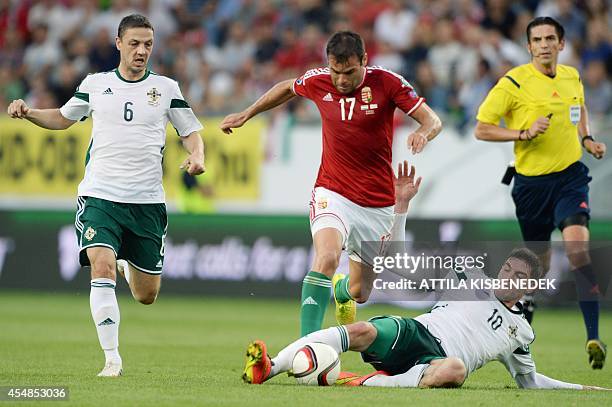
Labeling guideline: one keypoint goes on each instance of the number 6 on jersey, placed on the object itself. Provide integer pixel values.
(128, 114)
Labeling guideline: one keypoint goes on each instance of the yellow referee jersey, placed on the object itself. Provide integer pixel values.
(523, 95)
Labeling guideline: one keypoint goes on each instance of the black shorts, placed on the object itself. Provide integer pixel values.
(543, 202)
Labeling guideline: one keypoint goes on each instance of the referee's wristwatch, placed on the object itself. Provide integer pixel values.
(587, 137)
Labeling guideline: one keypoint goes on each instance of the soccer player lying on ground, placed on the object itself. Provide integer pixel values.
(438, 349)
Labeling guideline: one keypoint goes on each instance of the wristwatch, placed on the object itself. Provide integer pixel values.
(587, 137)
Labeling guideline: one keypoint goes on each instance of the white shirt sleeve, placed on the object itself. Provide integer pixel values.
(536, 380)
(180, 114)
(522, 368)
(78, 106)
(519, 362)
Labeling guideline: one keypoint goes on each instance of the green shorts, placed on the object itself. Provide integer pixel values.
(400, 344)
(135, 232)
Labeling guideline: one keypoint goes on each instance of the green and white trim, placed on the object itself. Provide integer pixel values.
(321, 282)
(96, 283)
(344, 337)
(152, 272)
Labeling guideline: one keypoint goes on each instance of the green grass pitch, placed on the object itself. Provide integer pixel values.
(190, 351)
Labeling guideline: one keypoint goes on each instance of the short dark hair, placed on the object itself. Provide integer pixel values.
(545, 21)
(133, 21)
(343, 45)
(530, 258)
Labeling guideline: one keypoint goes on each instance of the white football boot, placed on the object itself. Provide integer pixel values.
(111, 369)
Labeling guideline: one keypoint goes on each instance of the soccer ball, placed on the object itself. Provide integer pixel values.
(316, 364)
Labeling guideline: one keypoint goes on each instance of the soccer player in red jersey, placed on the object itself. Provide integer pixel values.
(353, 197)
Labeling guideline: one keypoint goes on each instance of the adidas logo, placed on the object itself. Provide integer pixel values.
(310, 301)
(159, 264)
(107, 321)
(328, 98)
(555, 94)
(108, 91)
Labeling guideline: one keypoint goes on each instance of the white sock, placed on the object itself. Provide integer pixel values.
(336, 337)
(125, 269)
(112, 355)
(105, 313)
(411, 378)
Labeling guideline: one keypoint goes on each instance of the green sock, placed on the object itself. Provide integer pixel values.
(341, 290)
(315, 297)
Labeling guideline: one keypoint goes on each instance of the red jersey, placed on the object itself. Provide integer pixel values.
(358, 132)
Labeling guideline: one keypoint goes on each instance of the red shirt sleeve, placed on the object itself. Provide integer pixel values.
(403, 94)
(305, 85)
(299, 86)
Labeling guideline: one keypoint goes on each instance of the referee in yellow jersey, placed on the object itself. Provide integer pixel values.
(542, 104)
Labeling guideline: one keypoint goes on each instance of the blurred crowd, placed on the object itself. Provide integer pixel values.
(225, 53)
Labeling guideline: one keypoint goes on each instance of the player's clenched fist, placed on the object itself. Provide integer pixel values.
(194, 164)
(18, 109)
(416, 142)
(539, 126)
(596, 149)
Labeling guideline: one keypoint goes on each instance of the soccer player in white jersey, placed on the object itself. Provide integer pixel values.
(437, 349)
(120, 209)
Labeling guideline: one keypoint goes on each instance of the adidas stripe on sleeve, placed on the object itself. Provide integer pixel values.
(180, 114)
(78, 106)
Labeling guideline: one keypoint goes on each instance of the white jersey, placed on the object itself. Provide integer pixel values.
(478, 332)
(124, 159)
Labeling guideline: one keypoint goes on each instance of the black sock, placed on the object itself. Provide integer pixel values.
(588, 299)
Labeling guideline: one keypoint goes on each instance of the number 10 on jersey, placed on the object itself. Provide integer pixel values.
(351, 106)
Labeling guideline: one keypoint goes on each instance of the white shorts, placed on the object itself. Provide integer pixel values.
(355, 223)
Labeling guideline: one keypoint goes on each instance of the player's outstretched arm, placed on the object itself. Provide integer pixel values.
(519, 362)
(50, 119)
(194, 164)
(535, 380)
(406, 187)
(277, 95)
(430, 127)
